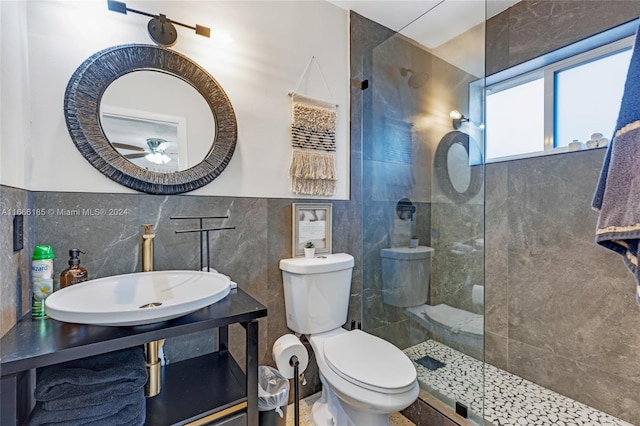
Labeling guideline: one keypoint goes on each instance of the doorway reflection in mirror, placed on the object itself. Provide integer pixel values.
(153, 144)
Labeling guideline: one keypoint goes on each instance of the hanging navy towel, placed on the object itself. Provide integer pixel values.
(617, 196)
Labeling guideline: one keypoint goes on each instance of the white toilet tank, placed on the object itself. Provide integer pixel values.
(316, 292)
(405, 275)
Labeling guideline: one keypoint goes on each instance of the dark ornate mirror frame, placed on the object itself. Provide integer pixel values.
(82, 114)
(441, 168)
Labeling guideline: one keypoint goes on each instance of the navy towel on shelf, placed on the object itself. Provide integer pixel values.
(617, 196)
(125, 410)
(105, 389)
(91, 381)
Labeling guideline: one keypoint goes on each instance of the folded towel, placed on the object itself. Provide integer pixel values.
(617, 196)
(91, 381)
(125, 410)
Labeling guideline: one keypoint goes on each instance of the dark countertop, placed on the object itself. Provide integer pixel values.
(38, 343)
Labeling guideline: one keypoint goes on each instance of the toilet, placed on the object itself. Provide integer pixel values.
(364, 378)
(405, 275)
(405, 283)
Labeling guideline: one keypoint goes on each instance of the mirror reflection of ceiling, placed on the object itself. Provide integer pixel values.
(143, 107)
(442, 26)
(133, 138)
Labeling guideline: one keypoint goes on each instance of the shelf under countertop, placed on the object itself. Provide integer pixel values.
(38, 343)
(195, 388)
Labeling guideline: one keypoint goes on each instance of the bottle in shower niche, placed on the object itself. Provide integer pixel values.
(41, 279)
(75, 273)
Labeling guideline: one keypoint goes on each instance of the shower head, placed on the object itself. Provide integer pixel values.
(417, 79)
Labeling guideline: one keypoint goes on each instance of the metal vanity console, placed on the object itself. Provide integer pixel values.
(209, 389)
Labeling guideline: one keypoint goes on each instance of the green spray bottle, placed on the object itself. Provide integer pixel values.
(41, 279)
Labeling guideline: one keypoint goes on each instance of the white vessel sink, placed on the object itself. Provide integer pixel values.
(136, 299)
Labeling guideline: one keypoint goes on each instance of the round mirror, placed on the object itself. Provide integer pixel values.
(130, 111)
(458, 180)
(165, 130)
(458, 168)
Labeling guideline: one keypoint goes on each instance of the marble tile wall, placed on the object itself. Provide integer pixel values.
(560, 310)
(111, 242)
(14, 266)
(534, 27)
(454, 270)
(398, 153)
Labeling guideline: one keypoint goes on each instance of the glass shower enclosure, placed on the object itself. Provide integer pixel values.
(423, 200)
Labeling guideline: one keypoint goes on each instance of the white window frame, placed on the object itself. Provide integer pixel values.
(597, 47)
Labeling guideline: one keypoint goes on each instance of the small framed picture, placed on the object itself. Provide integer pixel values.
(311, 223)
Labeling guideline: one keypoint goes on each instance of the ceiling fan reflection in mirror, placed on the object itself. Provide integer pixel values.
(154, 152)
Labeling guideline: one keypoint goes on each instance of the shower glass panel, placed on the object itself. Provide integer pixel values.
(423, 199)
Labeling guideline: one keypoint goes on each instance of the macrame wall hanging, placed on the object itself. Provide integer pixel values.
(313, 140)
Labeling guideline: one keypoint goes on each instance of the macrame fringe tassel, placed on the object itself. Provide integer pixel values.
(313, 172)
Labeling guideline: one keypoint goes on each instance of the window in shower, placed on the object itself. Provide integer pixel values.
(588, 96)
(507, 133)
(570, 97)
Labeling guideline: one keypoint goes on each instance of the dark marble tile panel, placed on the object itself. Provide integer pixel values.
(279, 247)
(454, 271)
(496, 350)
(562, 285)
(377, 219)
(497, 43)
(311, 375)
(240, 253)
(496, 249)
(612, 394)
(541, 26)
(347, 238)
(423, 414)
(15, 267)
(365, 35)
(191, 345)
(573, 323)
(402, 334)
(105, 226)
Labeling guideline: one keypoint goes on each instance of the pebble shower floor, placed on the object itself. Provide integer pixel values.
(509, 399)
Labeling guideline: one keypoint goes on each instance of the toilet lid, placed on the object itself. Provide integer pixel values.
(370, 362)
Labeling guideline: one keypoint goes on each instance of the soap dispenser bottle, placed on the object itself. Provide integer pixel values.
(75, 273)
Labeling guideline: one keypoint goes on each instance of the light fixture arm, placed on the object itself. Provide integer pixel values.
(160, 27)
(457, 122)
(457, 119)
(121, 7)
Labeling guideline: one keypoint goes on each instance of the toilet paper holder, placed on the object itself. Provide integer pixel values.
(288, 351)
(295, 363)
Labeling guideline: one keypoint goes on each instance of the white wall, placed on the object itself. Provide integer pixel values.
(272, 44)
(15, 153)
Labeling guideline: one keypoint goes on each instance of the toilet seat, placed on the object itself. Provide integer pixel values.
(349, 355)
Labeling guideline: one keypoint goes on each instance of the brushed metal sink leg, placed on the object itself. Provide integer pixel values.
(154, 369)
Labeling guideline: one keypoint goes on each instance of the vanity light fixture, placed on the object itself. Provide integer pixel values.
(458, 118)
(161, 29)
